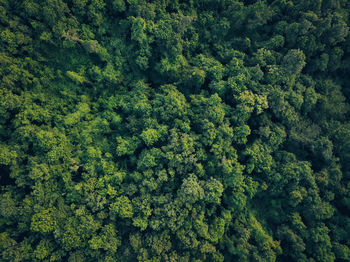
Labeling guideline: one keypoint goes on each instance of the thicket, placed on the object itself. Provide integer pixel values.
(170, 130)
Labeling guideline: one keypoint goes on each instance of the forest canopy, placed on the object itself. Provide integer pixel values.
(171, 130)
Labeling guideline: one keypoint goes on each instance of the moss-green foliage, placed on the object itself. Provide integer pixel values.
(168, 130)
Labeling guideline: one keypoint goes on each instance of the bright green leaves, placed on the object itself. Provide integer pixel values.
(140, 222)
(247, 104)
(92, 46)
(142, 211)
(44, 221)
(138, 29)
(271, 247)
(210, 108)
(76, 77)
(170, 103)
(160, 243)
(52, 143)
(71, 237)
(122, 207)
(310, 99)
(82, 110)
(201, 227)
(191, 191)
(274, 43)
(241, 133)
(136, 101)
(8, 156)
(148, 158)
(43, 249)
(232, 173)
(126, 146)
(322, 244)
(172, 68)
(180, 152)
(14, 40)
(260, 158)
(39, 171)
(8, 206)
(45, 140)
(282, 108)
(213, 190)
(150, 136)
(138, 34)
(213, 68)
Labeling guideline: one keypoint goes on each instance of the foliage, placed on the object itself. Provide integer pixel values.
(153, 130)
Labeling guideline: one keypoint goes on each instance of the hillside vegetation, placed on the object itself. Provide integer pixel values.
(172, 130)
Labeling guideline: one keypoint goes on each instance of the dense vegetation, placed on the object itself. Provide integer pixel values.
(171, 130)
